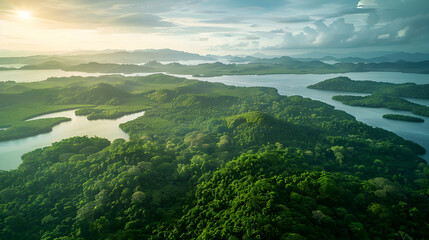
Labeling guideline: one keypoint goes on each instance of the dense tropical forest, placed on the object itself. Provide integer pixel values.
(207, 161)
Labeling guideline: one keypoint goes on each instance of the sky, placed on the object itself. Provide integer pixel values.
(215, 26)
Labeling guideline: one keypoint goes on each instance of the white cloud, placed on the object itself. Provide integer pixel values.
(402, 33)
(367, 4)
(321, 35)
(383, 36)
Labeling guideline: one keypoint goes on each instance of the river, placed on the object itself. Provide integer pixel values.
(11, 151)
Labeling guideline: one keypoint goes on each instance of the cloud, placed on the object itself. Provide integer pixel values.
(240, 46)
(255, 4)
(367, 3)
(234, 24)
(340, 34)
(297, 19)
(335, 34)
(251, 37)
(383, 36)
(183, 30)
(226, 20)
(277, 31)
(79, 14)
(402, 33)
(212, 12)
(347, 12)
(140, 20)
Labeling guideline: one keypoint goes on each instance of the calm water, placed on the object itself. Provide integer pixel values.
(296, 84)
(12, 65)
(39, 75)
(11, 151)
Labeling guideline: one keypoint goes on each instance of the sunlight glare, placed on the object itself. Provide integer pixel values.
(26, 15)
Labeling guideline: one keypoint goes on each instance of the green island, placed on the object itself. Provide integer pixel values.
(209, 161)
(379, 101)
(388, 95)
(283, 65)
(403, 118)
(30, 128)
(345, 84)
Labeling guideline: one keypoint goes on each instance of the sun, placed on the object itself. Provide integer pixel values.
(25, 15)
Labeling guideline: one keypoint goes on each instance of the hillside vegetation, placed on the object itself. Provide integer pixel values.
(210, 161)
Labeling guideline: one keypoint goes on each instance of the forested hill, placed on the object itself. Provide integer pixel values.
(210, 161)
(345, 84)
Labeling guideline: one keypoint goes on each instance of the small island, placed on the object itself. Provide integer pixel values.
(380, 101)
(30, 128)
(387, 95)
(406, 118)
(345, 84)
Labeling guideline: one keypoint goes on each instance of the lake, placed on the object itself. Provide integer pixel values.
(11, 151)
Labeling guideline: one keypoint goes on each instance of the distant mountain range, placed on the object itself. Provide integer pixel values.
(387, 57)
(140, 56)
(144, 56)
(370, 58)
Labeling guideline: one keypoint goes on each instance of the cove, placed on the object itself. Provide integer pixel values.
(11, 151)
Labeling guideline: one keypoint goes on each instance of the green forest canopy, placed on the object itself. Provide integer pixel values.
(210, 161)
